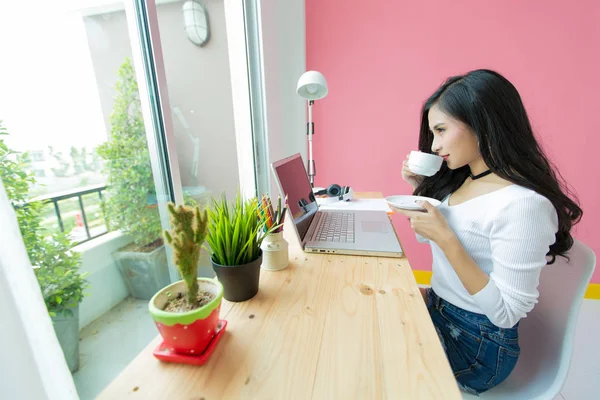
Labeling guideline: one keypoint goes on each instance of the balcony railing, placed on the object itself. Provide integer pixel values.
(56, 198)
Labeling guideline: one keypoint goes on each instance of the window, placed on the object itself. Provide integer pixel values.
(105, 126)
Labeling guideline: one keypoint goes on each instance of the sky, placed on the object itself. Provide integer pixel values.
(48, 93)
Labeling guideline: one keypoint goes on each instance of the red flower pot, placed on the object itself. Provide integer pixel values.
(191, 332)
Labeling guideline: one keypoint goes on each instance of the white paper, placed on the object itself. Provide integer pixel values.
(356, 204)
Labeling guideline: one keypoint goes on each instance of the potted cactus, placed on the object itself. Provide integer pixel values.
(186, 312)
(235, 234)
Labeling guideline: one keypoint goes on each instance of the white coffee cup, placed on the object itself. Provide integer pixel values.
(424, 163)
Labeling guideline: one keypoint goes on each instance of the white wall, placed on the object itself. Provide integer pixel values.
(106, 287)
(284, 54)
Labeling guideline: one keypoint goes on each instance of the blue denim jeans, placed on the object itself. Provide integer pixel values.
(481, 354)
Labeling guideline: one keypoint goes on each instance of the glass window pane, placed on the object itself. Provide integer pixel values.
(75, 161)
(195, 52)
(77, 158)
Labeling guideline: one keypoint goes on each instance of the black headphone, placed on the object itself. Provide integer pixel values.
(332, 191)
(335, 190)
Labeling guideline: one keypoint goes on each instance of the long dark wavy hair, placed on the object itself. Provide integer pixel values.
(491, 106)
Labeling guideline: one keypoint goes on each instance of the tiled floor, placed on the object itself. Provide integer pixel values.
(130, 325)
(110, 343)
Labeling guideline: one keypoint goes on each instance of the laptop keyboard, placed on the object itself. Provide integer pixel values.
(335, 227)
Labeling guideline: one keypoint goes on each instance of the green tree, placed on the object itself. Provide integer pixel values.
(79, 158)
(129, 175)
(62, 170)
(55, 265)
(96, 163)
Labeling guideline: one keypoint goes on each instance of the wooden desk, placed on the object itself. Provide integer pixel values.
(326, 327)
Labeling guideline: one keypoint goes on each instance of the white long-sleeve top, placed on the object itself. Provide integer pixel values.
(508, 234)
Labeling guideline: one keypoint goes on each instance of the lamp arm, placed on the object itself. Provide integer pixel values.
(310, 128)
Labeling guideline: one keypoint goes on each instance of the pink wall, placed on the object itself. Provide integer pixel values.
(382, 59)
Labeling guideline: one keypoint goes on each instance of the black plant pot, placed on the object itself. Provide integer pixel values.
(240, 282)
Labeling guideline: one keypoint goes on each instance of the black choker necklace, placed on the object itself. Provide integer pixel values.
(481, 175)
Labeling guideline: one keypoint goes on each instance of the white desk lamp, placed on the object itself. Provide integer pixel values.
(311, 86)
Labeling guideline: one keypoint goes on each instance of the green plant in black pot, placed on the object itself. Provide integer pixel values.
(235, 233)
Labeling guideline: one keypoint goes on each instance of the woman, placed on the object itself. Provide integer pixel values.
(504, 215)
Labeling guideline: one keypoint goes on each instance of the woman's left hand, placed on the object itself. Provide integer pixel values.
(430, 224)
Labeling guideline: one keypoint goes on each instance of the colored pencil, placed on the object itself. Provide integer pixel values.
(266, 211)
(270, 216)
(283, 212)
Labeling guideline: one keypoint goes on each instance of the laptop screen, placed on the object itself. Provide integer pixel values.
(294, 183)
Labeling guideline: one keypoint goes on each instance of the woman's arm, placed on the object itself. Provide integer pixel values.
(469, 273)
(433, 226)
(521, 235)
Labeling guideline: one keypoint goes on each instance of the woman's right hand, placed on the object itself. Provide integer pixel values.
(413, 179)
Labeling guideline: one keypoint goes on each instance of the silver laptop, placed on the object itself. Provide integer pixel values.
(366, 233)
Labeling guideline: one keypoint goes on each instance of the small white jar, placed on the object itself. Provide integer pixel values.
(275, 252)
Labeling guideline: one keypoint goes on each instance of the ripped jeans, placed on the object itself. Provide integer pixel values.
(481, 355)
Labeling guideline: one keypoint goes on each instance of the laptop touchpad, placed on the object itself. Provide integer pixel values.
(374, 226)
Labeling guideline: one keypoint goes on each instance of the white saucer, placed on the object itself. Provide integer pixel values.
(408, 202)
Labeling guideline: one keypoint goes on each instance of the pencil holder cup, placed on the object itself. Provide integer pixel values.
(275, 252)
